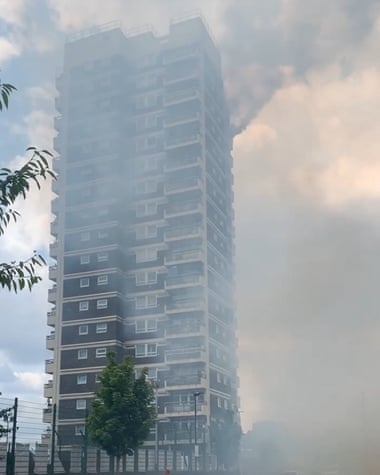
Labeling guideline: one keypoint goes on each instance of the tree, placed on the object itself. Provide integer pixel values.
(122, 413)
(15, 184)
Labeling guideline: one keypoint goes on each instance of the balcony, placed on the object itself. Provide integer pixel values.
(185, 306)
(50, 341)
(54, 249)
(57, 144)
(184, 162)
(175, 331)
(58, 104)
(58, 123)
(51, 317)
(54, 206)
(173, 142)
(48, 390)
(177, 257)
(54, 227)
(184, 281)
(49, 366)
(181, 186)
(171, 57)
(185, 408)
(180, 119)
(185, 355)
(184, 382)
(182, 208)
(52, 294)
(180, 76)
(53, 272)
(185, 232)
(180, 96)
(47, 415)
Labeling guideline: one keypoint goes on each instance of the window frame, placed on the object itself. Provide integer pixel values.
(84, 305)
(83, 281)
(101, 353)
(101, 306)
(105, 326)
(84, 376)
(83, 354)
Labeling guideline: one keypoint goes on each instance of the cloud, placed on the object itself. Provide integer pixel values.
(7, 49)
(13, 11)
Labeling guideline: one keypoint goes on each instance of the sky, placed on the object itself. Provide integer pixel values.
(303, 82)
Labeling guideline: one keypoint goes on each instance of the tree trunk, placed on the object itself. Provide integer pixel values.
(112, 465)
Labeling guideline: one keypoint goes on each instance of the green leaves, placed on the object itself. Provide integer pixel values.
(5, 92)
(17, 276)
(122, 413)
(16, 184)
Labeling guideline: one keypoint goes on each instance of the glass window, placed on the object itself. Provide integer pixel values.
(219, 402)
(80, 429)
(102, 234)
(84, 282)
(146, 254)
(85, 236)
(81, 404)
(102, 279)
(101, 328)
(82, 379)
(98, 378)
(102, 256)
(101, 352)
(102, 303)
(85, 259)
(82, 354)
(83, 329)
(83, 306)
(146, 349)
(144, 326)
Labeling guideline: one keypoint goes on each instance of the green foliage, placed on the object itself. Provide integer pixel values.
(5, 91)
(16, 184)
(122, 413)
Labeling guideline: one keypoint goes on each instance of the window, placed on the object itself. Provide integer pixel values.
(218, 377)
(102, 280)
(83, 306)
(146, 209)
(102, 303)
(83, 329)
(144, 278)
(102, 234)
(97, 378)
(85, 259)
(149, 186)
(82, 354)
(102, 256)
(85, 236)
(80, 429)
(101, 352)
(81, 404)
(84, 282)
(225, 404)
(150, 163)
(146, 254)
(146, 349)
(146, 231)
(152, 373)
(145, 326)
(82, 379)
(219, 402)
(101, 328)
(146, 301)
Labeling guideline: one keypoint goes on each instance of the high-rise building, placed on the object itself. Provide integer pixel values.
(144, 231)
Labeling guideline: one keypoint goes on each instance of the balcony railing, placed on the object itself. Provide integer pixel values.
(184, 162)
(175, 330)
(53, 272)
(180, 96)
(180, 75)
(184, 305)
(48, 389)
(185, 184)
(171, 120)
(49, 366)
(186, 407)
(50, 341)
(182, 233)
(184, 381)
(51, 317)
(172, 142)
(185, 354)
(184, 256)
(183, 280)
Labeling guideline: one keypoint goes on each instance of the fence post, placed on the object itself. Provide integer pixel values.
(13, 446)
